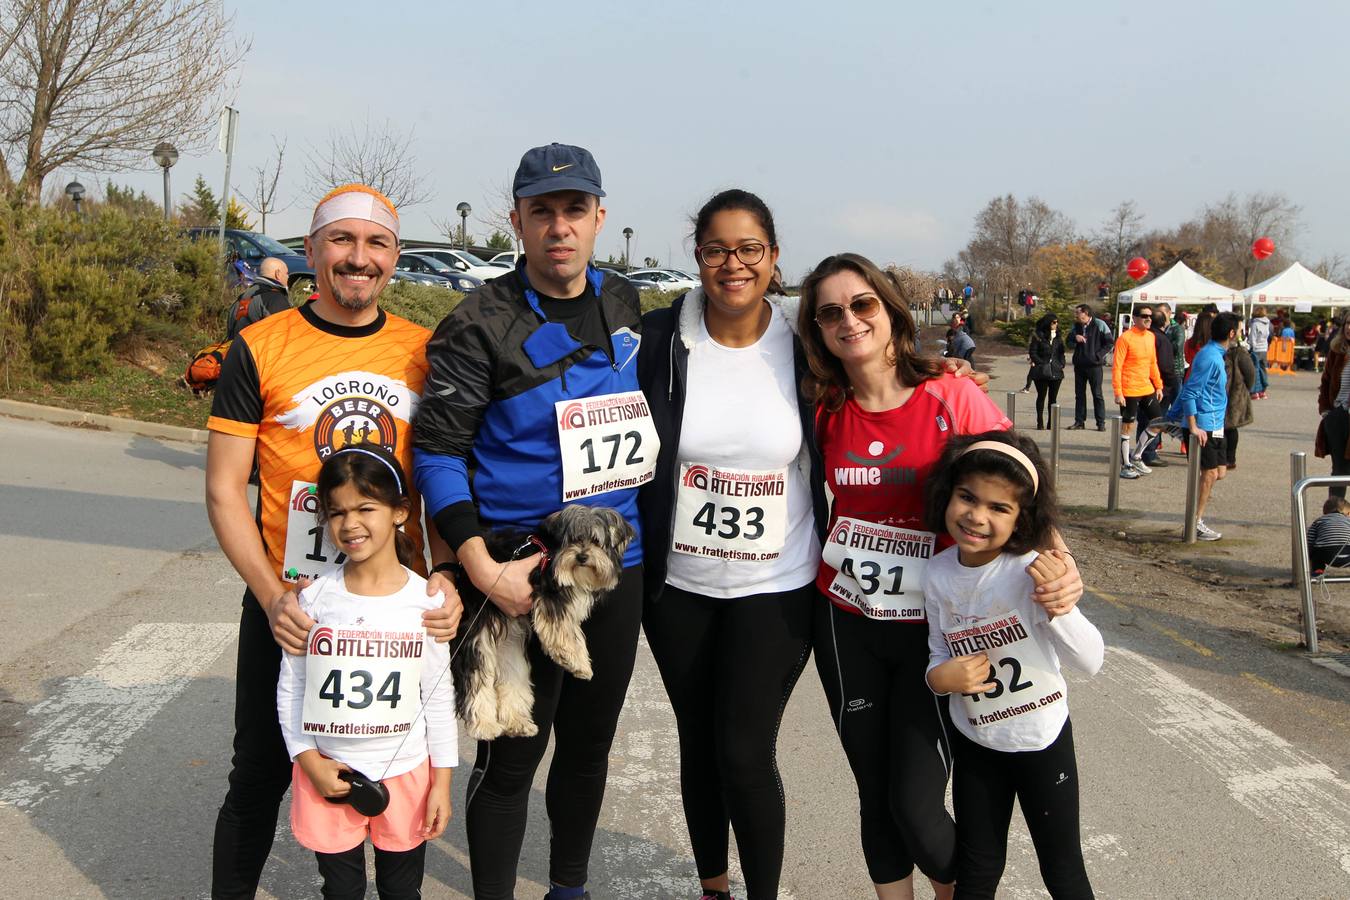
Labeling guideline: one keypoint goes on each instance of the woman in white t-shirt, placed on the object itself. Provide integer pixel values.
(731, 525)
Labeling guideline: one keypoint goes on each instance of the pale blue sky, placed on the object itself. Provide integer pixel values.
(866, 126)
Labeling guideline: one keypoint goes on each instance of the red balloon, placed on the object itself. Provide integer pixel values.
(1262, 247)
(1137, 267)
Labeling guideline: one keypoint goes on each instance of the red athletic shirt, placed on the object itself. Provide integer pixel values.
(876, 463)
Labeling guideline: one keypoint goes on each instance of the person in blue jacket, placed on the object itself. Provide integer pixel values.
(533, 384)
(1200, 408)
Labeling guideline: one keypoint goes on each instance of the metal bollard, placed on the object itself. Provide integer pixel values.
(1012, 407)
(1113, 465)
(1054, 443)
(1192, 485)
(1298, 470)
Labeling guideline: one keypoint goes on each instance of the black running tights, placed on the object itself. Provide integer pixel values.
(582, 716)
(894, 734)
(1045, 783)
(729, 666)
(398, 876)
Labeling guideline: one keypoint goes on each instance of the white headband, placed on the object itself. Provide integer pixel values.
(354, 204)
(387, 464)
(1009, 450)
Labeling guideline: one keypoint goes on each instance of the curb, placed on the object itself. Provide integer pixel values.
(58, 416)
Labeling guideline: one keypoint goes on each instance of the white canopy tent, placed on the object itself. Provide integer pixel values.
(1181, 286)
(1299, 288)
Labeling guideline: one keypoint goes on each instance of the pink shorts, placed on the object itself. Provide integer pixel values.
(336, 827)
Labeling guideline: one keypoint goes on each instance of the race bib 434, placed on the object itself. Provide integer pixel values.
(362, 681)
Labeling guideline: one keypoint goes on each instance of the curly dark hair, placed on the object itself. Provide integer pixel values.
(1038, 514)
(375, 474)
(827, 383)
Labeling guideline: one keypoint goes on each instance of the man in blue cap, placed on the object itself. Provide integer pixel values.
(524, 378)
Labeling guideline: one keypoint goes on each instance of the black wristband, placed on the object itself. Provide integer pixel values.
(445, 567)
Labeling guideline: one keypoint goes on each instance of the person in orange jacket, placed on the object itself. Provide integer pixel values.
(1137, 384)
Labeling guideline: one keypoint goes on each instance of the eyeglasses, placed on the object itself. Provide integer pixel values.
(1143, 315)
(861, 307)
(714, 256)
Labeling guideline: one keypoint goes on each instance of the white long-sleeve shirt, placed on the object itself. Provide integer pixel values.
(328, 602)
(968, 607)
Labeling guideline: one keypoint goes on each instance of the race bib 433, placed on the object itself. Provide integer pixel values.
(730, 513)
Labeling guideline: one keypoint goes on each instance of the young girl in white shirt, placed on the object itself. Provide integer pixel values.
(372, 701)
(992, 645)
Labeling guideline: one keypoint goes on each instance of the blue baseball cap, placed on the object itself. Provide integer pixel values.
(557, 167)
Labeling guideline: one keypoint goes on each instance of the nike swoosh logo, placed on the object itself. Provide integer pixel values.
(560, 168)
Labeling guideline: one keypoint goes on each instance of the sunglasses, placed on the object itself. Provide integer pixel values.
(861, 307)
(1143, 315)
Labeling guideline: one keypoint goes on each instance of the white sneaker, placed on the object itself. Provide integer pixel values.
(1128, 472)
(1204, 532)
(1140, 467)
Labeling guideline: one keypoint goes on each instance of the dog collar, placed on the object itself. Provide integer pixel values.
(543, 552)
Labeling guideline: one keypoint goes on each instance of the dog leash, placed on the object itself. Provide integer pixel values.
(518, 553)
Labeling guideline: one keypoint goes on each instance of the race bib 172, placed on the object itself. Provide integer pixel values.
(607, 443)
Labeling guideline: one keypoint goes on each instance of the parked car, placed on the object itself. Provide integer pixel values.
(422, 264)
(638, 285)
(460, 261)
(505, 258)
(664, 279)
(251, 248)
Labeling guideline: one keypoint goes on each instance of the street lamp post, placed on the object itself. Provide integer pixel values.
(464, 210)
(75, 191)
(165, 154)
(627, 250)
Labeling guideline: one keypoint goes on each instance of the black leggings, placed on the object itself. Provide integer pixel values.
(398, 876)
(1336, 426)
(1042, 386)
(582, 716)
(729, 667)
(894, 733)
(260, 771)
(1045, 783)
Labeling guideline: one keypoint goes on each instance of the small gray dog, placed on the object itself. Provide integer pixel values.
(580, 552)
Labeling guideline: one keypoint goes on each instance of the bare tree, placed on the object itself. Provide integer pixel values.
(263, 199)
(501, 200)
(380, 157)
(1332, 268)
(1008, 232)
(96, 83)
(1119, 238)
(1231, 226)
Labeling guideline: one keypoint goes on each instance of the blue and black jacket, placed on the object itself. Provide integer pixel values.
(497, 367)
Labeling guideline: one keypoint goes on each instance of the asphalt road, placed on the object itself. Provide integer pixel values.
(1211, 765)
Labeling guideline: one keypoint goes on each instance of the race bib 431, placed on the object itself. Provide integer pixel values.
(879, 569)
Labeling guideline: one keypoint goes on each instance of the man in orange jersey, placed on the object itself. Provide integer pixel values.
(295, 387)
(1137, 385)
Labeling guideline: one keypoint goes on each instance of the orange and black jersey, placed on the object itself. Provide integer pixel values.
(303, 388)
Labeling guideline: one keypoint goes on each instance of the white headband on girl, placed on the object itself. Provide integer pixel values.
(387, 464)
(1008, 450)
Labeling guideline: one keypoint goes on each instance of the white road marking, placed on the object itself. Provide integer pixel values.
(87, 722)
(1264, 773)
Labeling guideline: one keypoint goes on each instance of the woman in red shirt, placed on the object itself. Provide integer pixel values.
(884, 415)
